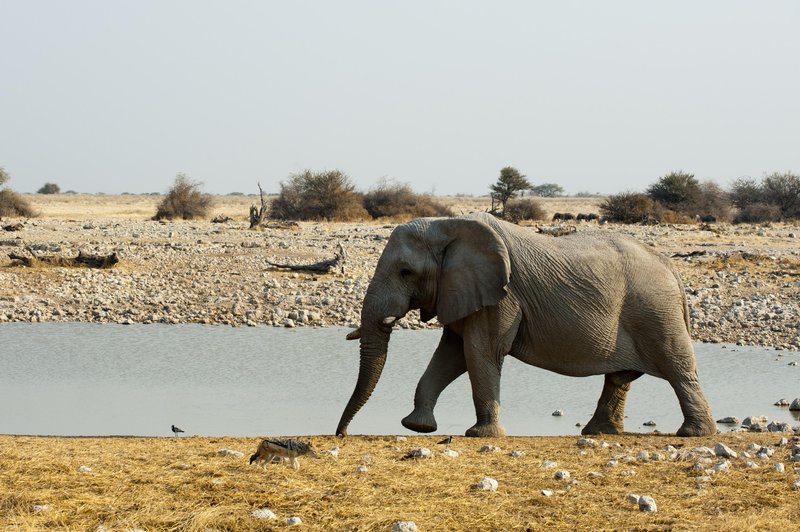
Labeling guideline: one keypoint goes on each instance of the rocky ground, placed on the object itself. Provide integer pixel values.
(743, 282)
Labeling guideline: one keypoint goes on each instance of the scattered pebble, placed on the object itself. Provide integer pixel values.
(404, 526)
(632, 498)
(549, 464)
(517, 454)
(647, 504)
(547, 493)
(586, 442)
(263, 513)
(489, 449)
(451, 453)
(628, 473)
(486, 484)
(796, 403)
(40, 508)
(650, 423)
(562, 474)
(730, 420)
(362, 469)
(722, 466)
(558, 413)
(333, 452)
(294, 521)
(422, 452)
(782, 402)
(401, 438)
(722, 450)
(228, 452)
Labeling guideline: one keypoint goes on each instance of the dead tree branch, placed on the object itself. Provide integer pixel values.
(85, 260)
(325, 266)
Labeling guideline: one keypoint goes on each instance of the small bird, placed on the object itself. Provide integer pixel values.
(176, 430)
(446, 442)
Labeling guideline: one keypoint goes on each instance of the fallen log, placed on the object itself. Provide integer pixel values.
(83, 260)
(325, 266)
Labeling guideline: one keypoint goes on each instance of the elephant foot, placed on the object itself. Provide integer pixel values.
(601, 427)
(419, 422)
(704, 427)
(486, 430)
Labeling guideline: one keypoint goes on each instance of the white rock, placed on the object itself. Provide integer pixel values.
(362, 469)
(487, 484)
(594, 474)
(333, 452)
(228, 452)
(547, 493)
(647, 504)
(84, 469)
(779, 467)
(263, 513)
(628, 473)
(720, 449)
(294, 521)
(755, 420)
(782, 402)
(586, 442)
(402, 438)
(404, 526)
(751, 465)
(517, 454)
(611, 463)
(643, 456)
(422, 452)
(724, 465)
(40, 508)
(703, 478)
(451, 453)
(558, 413)
(650, 423)
(704, 451)
(796, 484)
(489, 449)
(562, 474)
(632, 498)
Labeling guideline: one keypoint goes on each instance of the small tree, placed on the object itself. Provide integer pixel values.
(508, 184)
(4, 176)
(745, 192)
(548, 190)
(628, 208)
(49, 188)
(184, 200)
(714, 201)
(783, 191)
(678, 191)
(521, 209)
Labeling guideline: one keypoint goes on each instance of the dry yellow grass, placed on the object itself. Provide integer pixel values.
(185, 484)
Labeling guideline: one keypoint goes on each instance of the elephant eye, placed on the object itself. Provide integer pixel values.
(405, 272)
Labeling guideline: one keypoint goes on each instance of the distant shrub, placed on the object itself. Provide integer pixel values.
(783, 191)
(318, 196)
(49, 188)
(13, 204)
(4, 176)
(235, 193)
(677, 191)
(398, 200)
(745, 192)
(628, 208)
(184, 200)
(758, 213)
(518, 210)
(713, 201)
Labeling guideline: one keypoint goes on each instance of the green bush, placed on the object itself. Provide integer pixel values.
(628, 208)
(398, 200)
(518, 210)
(49, 188)
(318, 196)
(758, 202)
(184, 200)
(677, 191)
(13, 204)
(783, 191)
(758, 213)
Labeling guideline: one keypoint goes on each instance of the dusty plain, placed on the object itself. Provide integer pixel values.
(743, 285)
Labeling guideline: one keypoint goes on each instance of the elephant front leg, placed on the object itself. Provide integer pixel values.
(610, 414)
(445, 366)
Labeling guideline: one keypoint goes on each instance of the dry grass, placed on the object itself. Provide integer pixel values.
(184, 484)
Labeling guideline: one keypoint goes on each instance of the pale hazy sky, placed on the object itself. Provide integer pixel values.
(119, 96)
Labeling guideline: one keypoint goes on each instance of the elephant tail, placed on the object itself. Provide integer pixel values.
(685, 302)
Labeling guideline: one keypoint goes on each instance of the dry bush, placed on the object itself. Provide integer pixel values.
(399, 201)
(714, 201)
(628, 208)
(758, 213)
(13, 204)
(318, 196)
(663, 215)
(184, 200)
(518, 210)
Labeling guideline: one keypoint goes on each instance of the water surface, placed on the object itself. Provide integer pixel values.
(90, 379)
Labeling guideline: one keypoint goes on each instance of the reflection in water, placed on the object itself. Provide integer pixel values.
(86, 379)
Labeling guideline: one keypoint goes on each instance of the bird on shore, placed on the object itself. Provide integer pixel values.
(176, 430)
(446, 442)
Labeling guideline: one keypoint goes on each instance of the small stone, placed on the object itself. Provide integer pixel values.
(263, 513)
(562, 474)
(362, 469)
(40, 508)
(400, 438)
(404, 526)
(586, 442)
(451, 453)
(730, 420)
(755, 420)
(294, 521)
(703, 478)
(632, 498)
(795, 406)
(486, 484)
(643, 456)
(612, 463)
(782, 402)
(84, 469)
(229, 452)
(489, 449)
(558, 413)
(628, 473)
(547, 493)
(796, 484)
(517, 454)
(594, 474)
(333, 452)
(722, 466)
(647, 504)
(422, 452)
(704, 451)
(724, 451)
(751, 465)
(650, 423)
(549, 464)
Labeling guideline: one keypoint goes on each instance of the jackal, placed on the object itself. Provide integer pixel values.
(284, 449)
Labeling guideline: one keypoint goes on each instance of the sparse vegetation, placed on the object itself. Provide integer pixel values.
(776, 198)
(398, 201)
(311, 195)
(548, 190)
(510, 182)
(713, 201)
(628, 208)
(11, 203)
(184, 200)
(523, 209)
(49, 188)
(4, 176)
(677, 191)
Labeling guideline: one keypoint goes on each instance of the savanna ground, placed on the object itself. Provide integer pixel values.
(186, 484)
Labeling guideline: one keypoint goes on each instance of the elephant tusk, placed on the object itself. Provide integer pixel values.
(354, 335)
(388, 320)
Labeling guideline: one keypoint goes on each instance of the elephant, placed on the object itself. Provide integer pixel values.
(589, 303)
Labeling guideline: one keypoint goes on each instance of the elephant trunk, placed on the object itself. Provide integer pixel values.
(373, 356)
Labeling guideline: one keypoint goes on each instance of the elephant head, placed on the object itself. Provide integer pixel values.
(446, 267)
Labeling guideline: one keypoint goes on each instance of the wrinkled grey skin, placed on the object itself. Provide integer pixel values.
(586, 304)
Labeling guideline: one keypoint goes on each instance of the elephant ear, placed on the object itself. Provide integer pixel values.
(475, 268)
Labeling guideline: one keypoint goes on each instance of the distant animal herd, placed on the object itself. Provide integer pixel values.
(582, 217)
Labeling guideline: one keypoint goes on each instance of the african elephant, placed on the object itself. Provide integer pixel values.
(585, 304)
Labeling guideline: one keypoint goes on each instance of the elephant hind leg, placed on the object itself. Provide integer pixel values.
(609, 416)
(697, 418)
